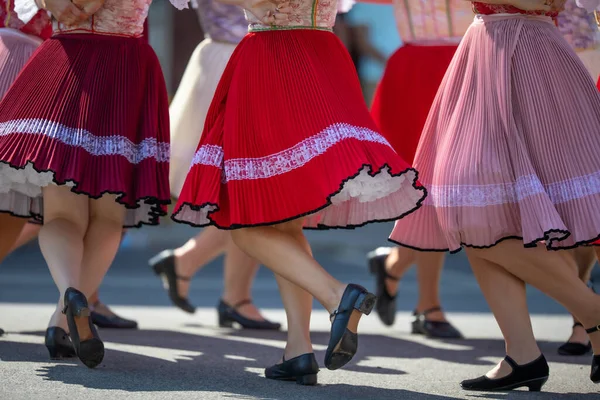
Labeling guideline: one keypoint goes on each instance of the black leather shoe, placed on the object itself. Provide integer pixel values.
(575, 349)
(58, 343)
(89, 351)
(163, 265)
(228, 315)
(595, 372)
(112, 322)
(532, 375)
(343, 342)
(302, 369)
(1, 331)
(434, 329)
(386, 303)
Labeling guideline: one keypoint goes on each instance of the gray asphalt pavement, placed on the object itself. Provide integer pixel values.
(175, 355)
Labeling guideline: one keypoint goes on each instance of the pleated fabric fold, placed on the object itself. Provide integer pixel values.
(16, 48)
(510, 148)
(91, 112)
(289, 135)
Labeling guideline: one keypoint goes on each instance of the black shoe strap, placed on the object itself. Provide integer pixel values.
(594, 329)
(241, 303)
(427, 312)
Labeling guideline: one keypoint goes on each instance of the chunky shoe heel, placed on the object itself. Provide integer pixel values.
(307, 380)
(536, 386)
(343, 341)
(225, 322)
(302, 369)
(58, 343)
(365, 303)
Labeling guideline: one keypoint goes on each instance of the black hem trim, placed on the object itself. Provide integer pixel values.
(154, 214)
(327, 204)
(547, 238)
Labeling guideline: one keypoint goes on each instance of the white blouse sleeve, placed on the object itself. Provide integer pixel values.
(182, 4)
(345, 5)
(26, 9)
(589, 5)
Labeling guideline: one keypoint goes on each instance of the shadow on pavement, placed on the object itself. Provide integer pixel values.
(232, 362)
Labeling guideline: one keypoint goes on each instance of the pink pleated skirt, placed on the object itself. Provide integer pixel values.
(511, 147)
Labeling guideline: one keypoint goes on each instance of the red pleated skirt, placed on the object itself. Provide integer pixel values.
(288, 135)
(407, 89)
(91, 112)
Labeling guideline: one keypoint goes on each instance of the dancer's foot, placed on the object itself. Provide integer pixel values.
(85, 339)
(343, 341)
(386, 284)
(432, 323)
(177, 284)
(578, 344)
(104, 317)
(245, 314)
(509, 375)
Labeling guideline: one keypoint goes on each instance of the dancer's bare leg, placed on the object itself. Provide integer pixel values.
(397, 263)
(429, 274)
(101, 241)
(61, 239)
(585, 258)
(506, 297)
(277, 248)
(28, 233)
(196, 253)
(552, 272)
(10, 228)
(239, 271)
(297, 303)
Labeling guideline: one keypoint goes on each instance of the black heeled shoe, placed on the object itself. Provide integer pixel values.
(112, 322)
(228, 315)
(532, 375)
(575, 349)
(595, 372)
(386, 303)
(58, 343)
(89, 351)
(302, 369)
(434, 329)
(343, 342)
(163, 265)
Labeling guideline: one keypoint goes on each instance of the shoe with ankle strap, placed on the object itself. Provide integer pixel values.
(228, 315)
(595, 373)
(386, 303)
(433, 329)
(163, 265)
(532, 375)
(573, 348)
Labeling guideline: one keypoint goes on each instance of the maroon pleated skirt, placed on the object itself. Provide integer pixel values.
(90, 112)
(288, 135)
